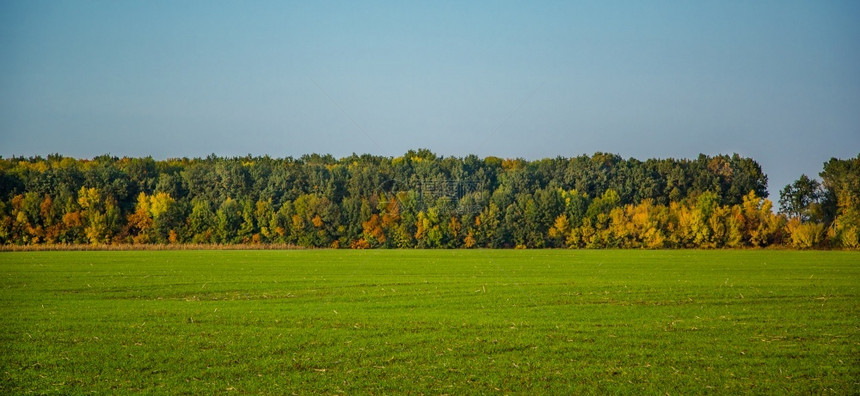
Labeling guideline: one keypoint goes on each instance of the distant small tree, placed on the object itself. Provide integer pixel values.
(802, 199)
(201, 222)
(228, 219)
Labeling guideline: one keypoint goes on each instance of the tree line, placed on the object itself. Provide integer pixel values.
(422, 200)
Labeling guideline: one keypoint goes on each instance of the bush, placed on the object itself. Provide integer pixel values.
(805, 235)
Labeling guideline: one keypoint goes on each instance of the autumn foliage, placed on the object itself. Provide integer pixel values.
(421, 200)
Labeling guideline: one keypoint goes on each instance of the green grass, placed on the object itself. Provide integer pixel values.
(442, 321)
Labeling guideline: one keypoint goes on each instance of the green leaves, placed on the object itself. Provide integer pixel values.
(419, 200)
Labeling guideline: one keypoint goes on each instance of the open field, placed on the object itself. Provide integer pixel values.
(441, 321)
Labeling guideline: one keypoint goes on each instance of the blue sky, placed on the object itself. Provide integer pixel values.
(775, 80)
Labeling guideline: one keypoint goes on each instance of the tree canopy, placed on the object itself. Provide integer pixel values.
(420, 200)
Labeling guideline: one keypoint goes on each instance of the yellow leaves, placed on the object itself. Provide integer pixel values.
(846, 228)
(72, 219)
(805, 235)
(391, 215)
(140, 220)
(574, 239)
(420, 230)
(373, 228)
(263, 209)
(96, 229)
(639, 218)
(850, 237)
(752, 205)
(684, 234)
(46, 209)
(39, 166)
(360, 243)
(512, 164)
(454, 226)
(17, 202)
(143, 205)
(585, 237)
(630, 226)
(88, 197)
(644, 225)
(469, 240)
(704, 224)
(298, 223)
(317, 221)
(560, 227)
(654, 239)
(619, 225)
(159, 203)
(421, 226)
(759, 223)
(718, 225)
(148, 209)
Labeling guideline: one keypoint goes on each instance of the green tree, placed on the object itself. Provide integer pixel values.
(228, 220)
(201, 223)
(802, 199)
(842, 201)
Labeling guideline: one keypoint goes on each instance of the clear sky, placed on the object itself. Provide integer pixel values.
(778, 81)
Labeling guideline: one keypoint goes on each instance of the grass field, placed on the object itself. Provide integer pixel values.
(442, 321)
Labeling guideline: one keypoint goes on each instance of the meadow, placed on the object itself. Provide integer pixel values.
(430, 321)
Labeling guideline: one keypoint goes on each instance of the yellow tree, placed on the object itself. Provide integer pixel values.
(422, 225)
(681, 232)
(559, 230)
(454, 231)
(164, 222)
(159, 204)
(654, 236)
(621, 230)
(761, 225)
(846, 228)
(51, 219)
(469, 240)
(95, 221)
(389, 220)
(719, 225)
(804, 235)
(427, 232)
(373, 233)
(735, 228)
(263, 214)
(584, 235)
(21, 223)
(140, 221)
(644, 225)
(487, 227)
(706, 204)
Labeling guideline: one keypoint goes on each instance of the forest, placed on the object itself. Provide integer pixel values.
(423, 200)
